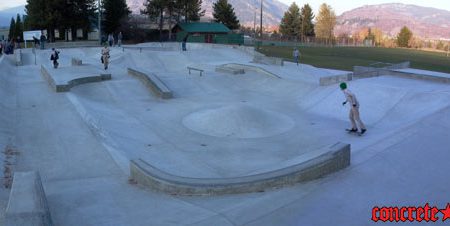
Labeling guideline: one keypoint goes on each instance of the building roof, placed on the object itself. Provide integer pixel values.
(203, 27)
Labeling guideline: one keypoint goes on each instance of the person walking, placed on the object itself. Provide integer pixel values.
(110, 40)
(296, 55)
(105, 56)
(119, 39)
(354, 110)
(54, 57)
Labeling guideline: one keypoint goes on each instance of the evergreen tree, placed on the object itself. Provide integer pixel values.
(191, 10)
(403, 37)
(12, 29)
(18, 28)
(37, 14)
(307, 26)
(114, 11)
(224, 13)
(291, 22)
(325, 22)
(155, 10)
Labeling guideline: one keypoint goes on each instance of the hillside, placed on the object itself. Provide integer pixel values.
(424, 22)
(245, 10)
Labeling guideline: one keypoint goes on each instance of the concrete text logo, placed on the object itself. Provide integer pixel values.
(411, 213)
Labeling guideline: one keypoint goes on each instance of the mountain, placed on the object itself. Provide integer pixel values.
(245, 10)
(7, 14)
(424, 22)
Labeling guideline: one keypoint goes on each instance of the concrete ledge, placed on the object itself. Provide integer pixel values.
(249, 68)
(152, 82)
(425, 77)
(27, 203)
(261, 59)
(61, 87)
(360, 72)
(229, 70)
(76, 62)
(308, 167)
(330, 80)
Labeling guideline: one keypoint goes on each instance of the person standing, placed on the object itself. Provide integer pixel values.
(43, 39)
(105, 56)
(54, 57)
(119, 39)
(183, 44)
(110, 40)
(354, 110)
(296, 55)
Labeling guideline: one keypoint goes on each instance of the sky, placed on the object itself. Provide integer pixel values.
(338, 5)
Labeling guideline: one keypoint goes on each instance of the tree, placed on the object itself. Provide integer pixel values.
(325, 22)
(191, 10)
(37, 14)
(18, 28)
(114, 11)
(291, 22)
(403, 37)
(155, 10)
(224, 13)
(60, 14)
(307, 26)
(12, 29)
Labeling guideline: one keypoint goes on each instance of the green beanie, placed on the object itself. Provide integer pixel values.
(343, 85)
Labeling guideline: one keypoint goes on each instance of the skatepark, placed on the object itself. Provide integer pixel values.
(230, 141)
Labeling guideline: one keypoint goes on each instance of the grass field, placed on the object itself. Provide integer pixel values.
(344, 58)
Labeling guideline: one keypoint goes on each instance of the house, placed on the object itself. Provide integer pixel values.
(206, 33)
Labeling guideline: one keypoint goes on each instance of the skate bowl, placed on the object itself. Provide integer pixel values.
(64, 78)
(304, 168)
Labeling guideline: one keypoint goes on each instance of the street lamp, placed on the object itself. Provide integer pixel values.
(260, 27)
(99, 22)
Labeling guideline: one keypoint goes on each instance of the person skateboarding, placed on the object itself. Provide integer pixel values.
(54, 57)
(354, 110)
(105, 56)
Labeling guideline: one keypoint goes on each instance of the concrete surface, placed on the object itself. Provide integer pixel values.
(81, 141)
(27, 204)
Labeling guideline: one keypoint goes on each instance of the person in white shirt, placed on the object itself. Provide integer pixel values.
(105, 56)
(354, 110)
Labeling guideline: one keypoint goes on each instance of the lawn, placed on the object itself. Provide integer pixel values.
(344, 58)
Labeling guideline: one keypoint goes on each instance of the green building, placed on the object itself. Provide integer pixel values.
(206, 33)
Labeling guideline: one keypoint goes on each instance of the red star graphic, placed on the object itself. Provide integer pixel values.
(446, 212)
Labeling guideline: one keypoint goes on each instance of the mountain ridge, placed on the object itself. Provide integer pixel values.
(424, 22)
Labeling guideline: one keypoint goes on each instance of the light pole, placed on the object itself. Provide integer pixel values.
(99, 22)
(260, 25)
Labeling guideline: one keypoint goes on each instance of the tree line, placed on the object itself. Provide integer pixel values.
(297, 24)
